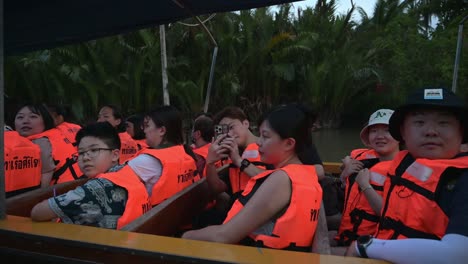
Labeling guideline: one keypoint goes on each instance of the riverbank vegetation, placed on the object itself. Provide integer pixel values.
(344, 65)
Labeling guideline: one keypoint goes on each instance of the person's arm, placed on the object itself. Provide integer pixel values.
(451, 249)
(374, 199)
(48, 164)
(320, 171)
(231, 145)
(321, 242)
(350, 166)
(259, 210)
(215, 153)
(42, 212)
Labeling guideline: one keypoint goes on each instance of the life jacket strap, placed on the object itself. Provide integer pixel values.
(400, 228)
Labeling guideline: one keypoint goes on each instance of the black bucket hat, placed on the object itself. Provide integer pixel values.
(429, 98)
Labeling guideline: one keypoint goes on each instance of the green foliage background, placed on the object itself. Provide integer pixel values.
(342, 68)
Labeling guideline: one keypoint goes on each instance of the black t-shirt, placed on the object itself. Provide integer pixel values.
(453, 200)
(310, 156)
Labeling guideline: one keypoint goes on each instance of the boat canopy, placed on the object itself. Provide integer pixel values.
(34, 25)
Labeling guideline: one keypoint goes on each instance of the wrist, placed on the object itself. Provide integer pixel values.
(238, 162)
(365, 188)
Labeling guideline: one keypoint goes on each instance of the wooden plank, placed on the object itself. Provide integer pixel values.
(332, 167)
(166, 218)
(22, 204)
(106, 245)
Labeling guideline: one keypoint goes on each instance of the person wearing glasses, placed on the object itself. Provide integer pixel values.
(113, 197)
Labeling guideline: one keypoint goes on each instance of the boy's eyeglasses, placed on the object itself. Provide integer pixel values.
(92, 153)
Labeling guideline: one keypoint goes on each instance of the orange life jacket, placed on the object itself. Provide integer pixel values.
(178, 172)
(63, 152)
(128, 147)
(239, 179)
(410, 208)
(295, 228)
(141, 143)
(358, 217)
(22, 164)
(69, 131)
(203, 150)
(137, 197)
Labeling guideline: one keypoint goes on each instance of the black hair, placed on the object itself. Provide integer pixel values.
(291, 121)
(205, 125)
(117, 115)
(42, 110)
(137, 121)
(233, 112)
(62, 110)
(102, 130)
(169, 117)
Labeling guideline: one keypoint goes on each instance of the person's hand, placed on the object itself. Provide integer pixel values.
(351, 251)
(216, 151)
(350, 166)
(230, 143)
(363, 178)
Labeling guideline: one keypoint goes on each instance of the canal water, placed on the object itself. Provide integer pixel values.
(333, 144)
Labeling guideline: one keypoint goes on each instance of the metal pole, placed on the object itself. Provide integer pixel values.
(2, 121)
(162, 37)
(457, 55)
(210, 80)
(213, 64)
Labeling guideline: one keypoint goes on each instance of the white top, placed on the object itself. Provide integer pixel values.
(148, 168)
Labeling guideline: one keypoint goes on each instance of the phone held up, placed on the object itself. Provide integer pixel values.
(221, 129)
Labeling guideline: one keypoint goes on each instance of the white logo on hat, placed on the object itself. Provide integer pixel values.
(433, 94)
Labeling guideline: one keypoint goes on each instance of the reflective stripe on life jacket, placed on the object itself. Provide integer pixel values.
(137, 197)
(358, 216)
(295, 228)
(128, 147)
(63, 151)
(410, 208)
(69, 131)
(22, 164)
(178, 172)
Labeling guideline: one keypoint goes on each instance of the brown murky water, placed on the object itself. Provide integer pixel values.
(334, 144)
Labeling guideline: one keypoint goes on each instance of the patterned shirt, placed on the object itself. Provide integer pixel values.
(98, 203)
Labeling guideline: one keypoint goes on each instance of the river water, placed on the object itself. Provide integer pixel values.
(334, 144)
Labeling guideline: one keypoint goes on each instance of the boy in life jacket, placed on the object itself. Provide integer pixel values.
(278, 208)
(113, 197)
(239, 145)
(365, 173)
(424, 217)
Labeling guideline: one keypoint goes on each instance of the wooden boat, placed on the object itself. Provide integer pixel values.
(152, 237)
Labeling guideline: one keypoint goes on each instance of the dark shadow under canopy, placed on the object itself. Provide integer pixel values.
(35, 25)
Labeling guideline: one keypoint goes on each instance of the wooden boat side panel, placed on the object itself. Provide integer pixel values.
(105, 245)
(332, 167)
(166, 218)
(22, 204)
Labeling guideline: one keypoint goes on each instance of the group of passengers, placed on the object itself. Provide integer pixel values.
(406, 191)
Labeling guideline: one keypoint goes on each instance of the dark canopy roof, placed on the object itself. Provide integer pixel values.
(40, 24)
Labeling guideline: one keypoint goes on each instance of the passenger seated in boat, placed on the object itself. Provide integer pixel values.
(239, 145)
(34, 122)
(112, 114)
(424, 217)
(134, 127)
(61, 116)
(113, 197)
(278, 208)
(202, 134)
(168, 164)
(364, 175)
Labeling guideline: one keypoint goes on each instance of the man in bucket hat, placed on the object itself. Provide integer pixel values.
(425, 208)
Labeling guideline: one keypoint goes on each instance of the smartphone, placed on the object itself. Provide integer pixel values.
(221, 129)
